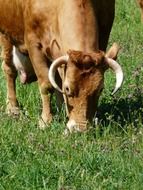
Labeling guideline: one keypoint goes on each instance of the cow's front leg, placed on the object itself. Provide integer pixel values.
(40, 66)
(46, 116)
(10, 74)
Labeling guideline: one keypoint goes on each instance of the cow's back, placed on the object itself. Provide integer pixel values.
(11, 19)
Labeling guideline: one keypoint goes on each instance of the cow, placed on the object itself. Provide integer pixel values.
(140, 2)
(62, 45)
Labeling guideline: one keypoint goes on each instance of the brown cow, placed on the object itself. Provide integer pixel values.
(140, 2)
(67, 34)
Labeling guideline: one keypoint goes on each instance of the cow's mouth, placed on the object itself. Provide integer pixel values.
(73, 126)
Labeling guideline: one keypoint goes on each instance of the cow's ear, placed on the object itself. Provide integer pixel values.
(113, 51)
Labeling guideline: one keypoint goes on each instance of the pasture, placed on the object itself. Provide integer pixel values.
(109, 156)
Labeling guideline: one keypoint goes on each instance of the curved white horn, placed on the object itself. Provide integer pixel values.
(118, 71)
(52, 71)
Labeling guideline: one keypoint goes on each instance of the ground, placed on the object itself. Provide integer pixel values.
(109, 156)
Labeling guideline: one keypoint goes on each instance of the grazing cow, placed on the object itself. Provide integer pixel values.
(68, 36)
(140, 2)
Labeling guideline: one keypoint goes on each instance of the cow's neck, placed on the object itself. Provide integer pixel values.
(78, 28)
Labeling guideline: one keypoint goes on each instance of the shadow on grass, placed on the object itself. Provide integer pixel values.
(124, 111)
(127, 110)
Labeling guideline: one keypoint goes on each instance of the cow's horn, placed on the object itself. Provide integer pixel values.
(54, 66)
(118, 71)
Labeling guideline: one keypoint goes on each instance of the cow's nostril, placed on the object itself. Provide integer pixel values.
(67, 89)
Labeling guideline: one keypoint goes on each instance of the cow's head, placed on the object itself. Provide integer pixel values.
(83, 83)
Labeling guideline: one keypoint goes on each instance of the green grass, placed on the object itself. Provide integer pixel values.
(108, 157)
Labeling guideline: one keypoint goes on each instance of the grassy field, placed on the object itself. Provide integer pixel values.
(108, 157)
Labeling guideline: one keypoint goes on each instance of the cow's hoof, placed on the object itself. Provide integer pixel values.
(43, 123)
(13, 111)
